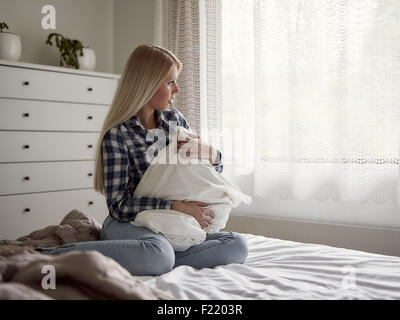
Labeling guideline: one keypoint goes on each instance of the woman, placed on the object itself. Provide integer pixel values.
(141, 104)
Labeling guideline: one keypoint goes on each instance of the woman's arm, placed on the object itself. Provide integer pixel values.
(121, 202)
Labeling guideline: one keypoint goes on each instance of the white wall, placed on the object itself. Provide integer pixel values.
(376, 240)
(133, 26)
(113, 28)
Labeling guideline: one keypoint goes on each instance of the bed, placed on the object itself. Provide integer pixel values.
(281, 269)
(275, 269)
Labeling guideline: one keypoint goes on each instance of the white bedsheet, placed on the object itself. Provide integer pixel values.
(280, 269)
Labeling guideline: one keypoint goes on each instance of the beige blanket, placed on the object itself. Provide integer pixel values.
(24, 272)
(75, 227)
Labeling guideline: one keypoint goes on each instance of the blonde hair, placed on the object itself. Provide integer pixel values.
(144, 72)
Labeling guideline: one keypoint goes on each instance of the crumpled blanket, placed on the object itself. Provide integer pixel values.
(77, 275)
(74, 227)
(187, 180)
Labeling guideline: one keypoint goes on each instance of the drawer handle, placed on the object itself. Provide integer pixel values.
(26, 146)
(90, 203)
(26, 83)
(90, 146)
(27, 178)
(26, 210)
(90, 174)
(26, 115)
(90, 117)
(90, 89)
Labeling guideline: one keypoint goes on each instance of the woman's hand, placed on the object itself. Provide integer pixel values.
(204, 216)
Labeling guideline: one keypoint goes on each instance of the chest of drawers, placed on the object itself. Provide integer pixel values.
(50, 120)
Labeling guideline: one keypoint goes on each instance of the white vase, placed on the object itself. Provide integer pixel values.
(88, 60)
(10, 46)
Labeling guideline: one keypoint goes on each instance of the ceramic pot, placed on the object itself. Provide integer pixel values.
(88, 60)
(10, 46)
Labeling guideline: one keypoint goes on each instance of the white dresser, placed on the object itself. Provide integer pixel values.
(50, 119)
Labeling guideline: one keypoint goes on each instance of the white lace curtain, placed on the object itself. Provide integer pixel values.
(304, 95)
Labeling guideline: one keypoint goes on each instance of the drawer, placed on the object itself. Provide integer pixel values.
(50, 116)
(21, 146)
(55, 86)
(23, 214)
(28, 177)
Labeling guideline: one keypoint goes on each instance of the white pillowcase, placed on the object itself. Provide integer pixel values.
(194, 181)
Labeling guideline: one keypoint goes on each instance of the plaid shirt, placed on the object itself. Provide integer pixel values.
(124, 163)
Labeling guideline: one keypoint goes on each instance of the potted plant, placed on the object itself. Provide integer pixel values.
(73, 54)
(10, 44)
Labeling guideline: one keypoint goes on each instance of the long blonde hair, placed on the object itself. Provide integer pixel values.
(144, 72)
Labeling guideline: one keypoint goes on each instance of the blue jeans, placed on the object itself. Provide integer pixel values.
(143, 252)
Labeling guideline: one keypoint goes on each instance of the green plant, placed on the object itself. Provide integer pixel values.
(68, 49)
(3, 25)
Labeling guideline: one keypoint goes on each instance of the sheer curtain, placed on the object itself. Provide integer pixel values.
(191, 29)
(302, 97)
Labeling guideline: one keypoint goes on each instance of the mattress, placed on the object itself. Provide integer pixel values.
(280, 269)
